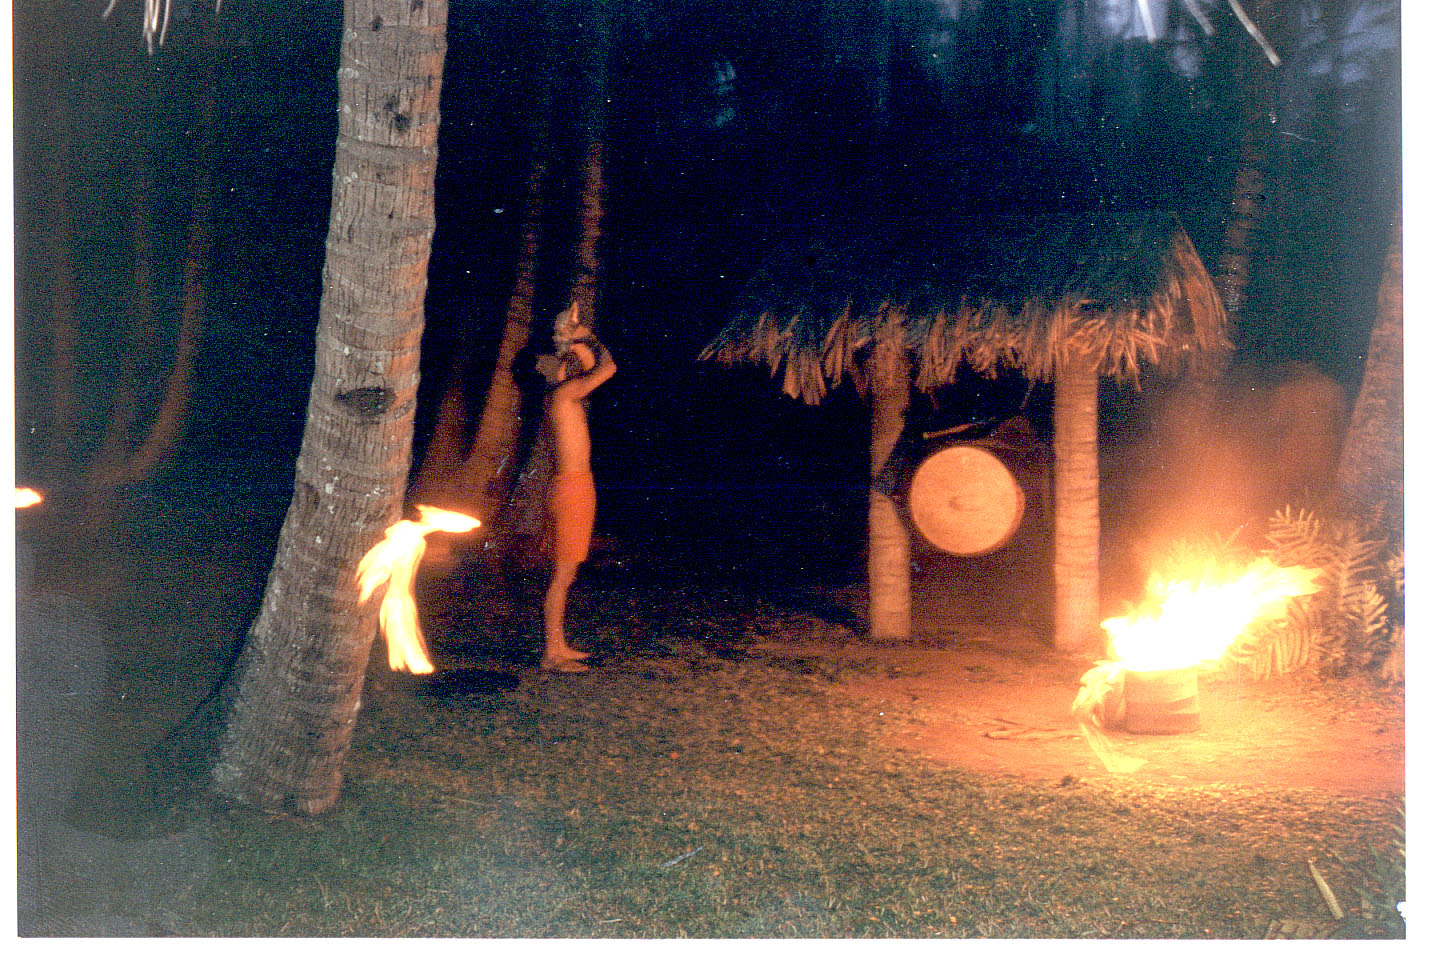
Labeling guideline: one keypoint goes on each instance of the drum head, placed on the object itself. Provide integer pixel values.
(964, 500)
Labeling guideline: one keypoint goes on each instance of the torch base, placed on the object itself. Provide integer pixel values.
(1162, 701)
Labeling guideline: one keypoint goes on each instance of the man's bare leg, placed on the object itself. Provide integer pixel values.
(558, 654)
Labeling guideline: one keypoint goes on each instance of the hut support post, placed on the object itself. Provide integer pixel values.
(889, 556)
(1077, 508)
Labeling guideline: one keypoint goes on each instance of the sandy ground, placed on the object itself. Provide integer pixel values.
(1000, 704)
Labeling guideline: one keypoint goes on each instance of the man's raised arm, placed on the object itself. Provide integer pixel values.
(580, 386)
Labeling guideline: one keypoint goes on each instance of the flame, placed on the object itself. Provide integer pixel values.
(26, 497)
(1192, 621)
(392, 563)
(1185, 622)
(1096, 706)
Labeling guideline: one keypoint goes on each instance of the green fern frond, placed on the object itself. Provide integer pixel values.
(1395, 570)
(1355, 619)
(1251, 653)
(1369, 610)
(1271, 648)
(1356, 550)
(1297, 539)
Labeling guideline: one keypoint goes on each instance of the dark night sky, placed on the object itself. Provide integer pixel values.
(706, 175)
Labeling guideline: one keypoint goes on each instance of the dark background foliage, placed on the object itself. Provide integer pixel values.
(730, 127)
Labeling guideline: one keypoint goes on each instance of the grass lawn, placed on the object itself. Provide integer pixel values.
(692, 785)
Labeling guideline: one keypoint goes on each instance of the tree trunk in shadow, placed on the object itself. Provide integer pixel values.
(1232, 274)
(60, 450)
(585, 288)
(117, 467)
(483, 480)
(114, 447)
(527, 507)
(477, 477)
(1371, 476)
(168, 426)
(445, 453)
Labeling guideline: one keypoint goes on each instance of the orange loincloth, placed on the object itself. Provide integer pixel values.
(572, 506)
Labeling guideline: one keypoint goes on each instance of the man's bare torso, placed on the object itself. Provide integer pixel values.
(566, 409)
(572, 435)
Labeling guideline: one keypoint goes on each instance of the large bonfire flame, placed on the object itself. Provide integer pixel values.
(392, 564)
(26, 497)
(1185, 622)
(1193, 621)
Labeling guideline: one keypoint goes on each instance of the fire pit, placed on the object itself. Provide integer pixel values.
(1150, 682)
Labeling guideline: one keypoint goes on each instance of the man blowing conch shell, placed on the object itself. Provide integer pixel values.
(579, 365)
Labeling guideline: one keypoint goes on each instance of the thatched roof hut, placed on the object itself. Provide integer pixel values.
(994, 295)
(1062, 298)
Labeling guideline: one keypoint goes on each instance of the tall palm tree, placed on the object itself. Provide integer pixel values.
(60, 254)
(296, 690)
(115, 443)
(585, 290)
(168, 424)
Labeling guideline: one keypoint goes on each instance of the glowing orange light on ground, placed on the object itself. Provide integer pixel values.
(1185, 622)
(26, 497)
(392, 564)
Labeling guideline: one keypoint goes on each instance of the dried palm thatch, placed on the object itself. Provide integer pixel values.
(997, 294)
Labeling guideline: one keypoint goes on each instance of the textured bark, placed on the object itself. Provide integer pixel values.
(889, 558)
(585, 289)
(445, 453)
(1196, 406)
(1371, 476)
(297, 686)
(1077, 509)
(1232, 275)
(585, 285)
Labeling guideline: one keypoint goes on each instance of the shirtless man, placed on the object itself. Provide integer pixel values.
(579, 365)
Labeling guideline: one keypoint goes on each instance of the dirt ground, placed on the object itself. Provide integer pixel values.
(1000, 704)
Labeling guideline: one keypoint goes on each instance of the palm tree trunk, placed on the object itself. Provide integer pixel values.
(445, 453)
(475, 473)
(1232, 275)
(483, 480)
(1077, 508)
(889, 558)
(169, 423)
(1371, 475)
(585, 289)
(296, 690)
(114, 445)
(528, 510)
